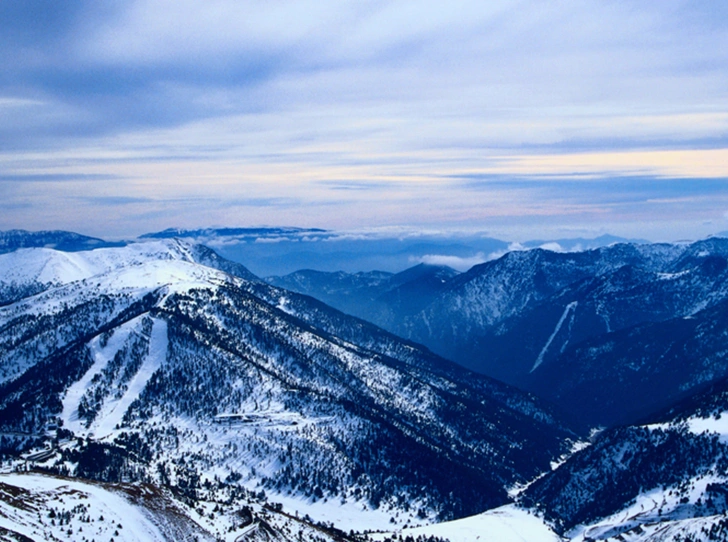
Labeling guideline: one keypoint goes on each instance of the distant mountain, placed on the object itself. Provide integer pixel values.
(242, 234)
(278, 251)
(455, 311)
(375, 296)
(60, 240)
(602, 381)
(580, 244)
(649, 315)
(159, 368)
(587, 330)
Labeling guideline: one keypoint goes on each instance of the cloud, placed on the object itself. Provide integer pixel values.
(456, 262)
(465, 67)
(56, 177)
(272, 240)
(350, 114)
(114, 201)
(600, 187)
(552, 247)
(367, 185)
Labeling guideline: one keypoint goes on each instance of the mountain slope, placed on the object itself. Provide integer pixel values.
(35, 507)
(602, 380)
(205, 375)
(663, 480)
(375, 296)
(585, 330)
(475, 304)
(352, 293)
(40, 507)
(632, 294)
(26, 272)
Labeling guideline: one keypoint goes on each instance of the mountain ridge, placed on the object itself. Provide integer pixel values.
(154, 337)
(548, 322)
(165, 367)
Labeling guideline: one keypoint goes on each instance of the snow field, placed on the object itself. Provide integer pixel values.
(113, 410)
(101, 356)
(95, 512)
(504, 524)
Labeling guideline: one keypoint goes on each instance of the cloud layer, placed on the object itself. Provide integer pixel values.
(515, 116)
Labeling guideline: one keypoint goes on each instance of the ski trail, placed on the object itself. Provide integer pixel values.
(570, 307)
(113, 412)
(101, 356)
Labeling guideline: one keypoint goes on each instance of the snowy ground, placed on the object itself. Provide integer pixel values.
(347, 515)
(658, 510)
(49, 508)
(113, 410)
(504, 524)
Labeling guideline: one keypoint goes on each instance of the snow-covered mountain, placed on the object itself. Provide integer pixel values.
(161, 362)
(476, 304)
(37, 507)
(587, 330)
(666, 479)
(166, 392)
(654, 322)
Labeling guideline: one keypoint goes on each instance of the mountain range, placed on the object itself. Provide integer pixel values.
(585, 330)
(160, 391)
(278, 251)
(158, 368)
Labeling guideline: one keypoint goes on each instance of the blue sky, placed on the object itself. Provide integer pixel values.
(520, 119)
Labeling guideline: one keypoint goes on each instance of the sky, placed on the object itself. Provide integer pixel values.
(518, 119)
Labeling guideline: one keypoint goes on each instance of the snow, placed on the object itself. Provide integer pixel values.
(673, 276)
(139, 268)
(570, 307)
(181, 275)
(657, 510)
(101, 356)
(283, 304)
(349, 515)
(714, 424)
(113, 410)
(641, 511)
(577, 446)
(505, 524)
(63, 495)
(50, 266)
(717, 424)
(42, 265)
